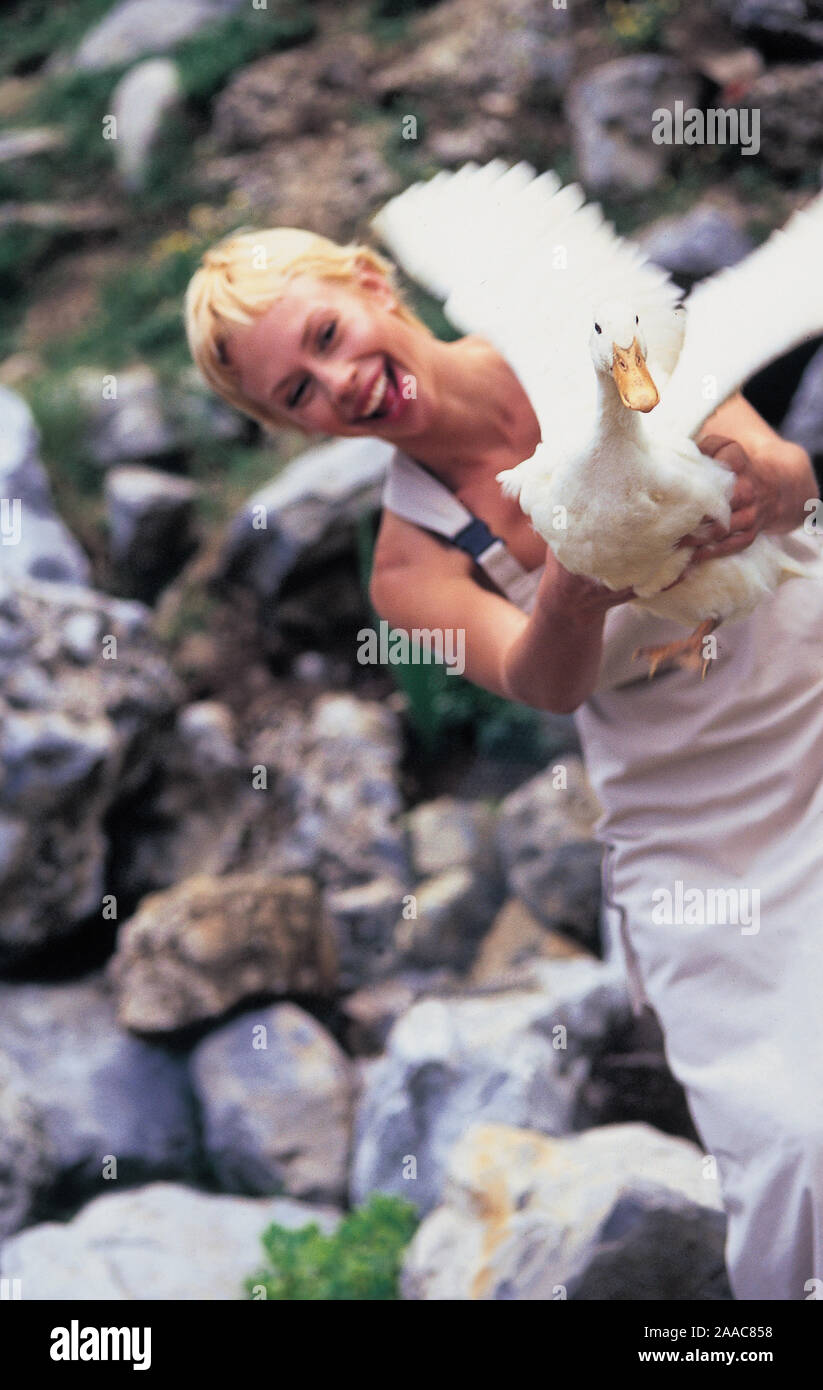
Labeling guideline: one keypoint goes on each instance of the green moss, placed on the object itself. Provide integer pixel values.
(360, 1261)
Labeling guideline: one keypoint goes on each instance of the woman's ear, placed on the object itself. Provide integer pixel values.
(375, 283)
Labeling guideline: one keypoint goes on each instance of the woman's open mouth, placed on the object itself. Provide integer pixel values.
(385, 401)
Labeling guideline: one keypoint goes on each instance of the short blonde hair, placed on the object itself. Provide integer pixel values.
(240, 277)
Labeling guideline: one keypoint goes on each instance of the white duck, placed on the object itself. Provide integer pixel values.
(524, 263)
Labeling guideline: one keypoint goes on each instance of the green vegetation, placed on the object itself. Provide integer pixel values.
(32, 30)
(361, 1260)
(640, 23)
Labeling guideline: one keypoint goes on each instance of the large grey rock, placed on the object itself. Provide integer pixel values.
(142, 101)
(131, 415)
(325, 489)
(151, 516)
(618, 1213)
(338, 770)
(549, 856)
(275, 1095)
(33, 540)
(611, 113)
(518, 1058)
(194, 951)
(97, 1092)
(787, 98)
(162, 1241)
(803, 422)
(27, 1160)
(707, 239)
(133, 28)
(84, 688)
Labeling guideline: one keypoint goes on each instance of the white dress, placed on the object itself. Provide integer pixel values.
(712, 799)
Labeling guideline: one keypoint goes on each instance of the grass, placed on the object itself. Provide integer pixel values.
(360, 1261)
(32, 30)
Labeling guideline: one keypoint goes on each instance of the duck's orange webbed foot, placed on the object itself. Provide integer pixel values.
(689, 653)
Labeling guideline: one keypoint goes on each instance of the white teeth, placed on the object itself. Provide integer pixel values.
(378, 391)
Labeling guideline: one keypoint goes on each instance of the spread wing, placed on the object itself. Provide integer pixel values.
(520, 260)
(743, 318)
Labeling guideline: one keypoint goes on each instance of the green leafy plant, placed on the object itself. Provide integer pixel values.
(360, 1260)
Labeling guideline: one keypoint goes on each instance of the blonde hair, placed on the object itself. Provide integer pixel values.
(240, 277)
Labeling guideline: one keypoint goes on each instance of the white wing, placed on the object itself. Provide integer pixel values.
(743, 318)
(520, 261)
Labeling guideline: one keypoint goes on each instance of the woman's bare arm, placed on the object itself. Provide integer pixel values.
(549, 659)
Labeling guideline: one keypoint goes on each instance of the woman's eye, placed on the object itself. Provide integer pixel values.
(328, 333)
(294, 398)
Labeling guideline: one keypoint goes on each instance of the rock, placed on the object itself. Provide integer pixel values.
(372, 1010)
(338, 781)
(449, 833)
(199, 948)
(84, 691)
(452, 910)
(453, 1061)
(804, 421)
(275, 1094)
(151, 527)
(614, 1214)
(142, 101)
(549, 857)
(322, 490)
(22, 144)
(363, 919)
(98, 1093)
(27, 1162)
(632, 1081)
(197, 813)
(280, 180)
(282, 96)
(520, 53)
(611, 114)
(133, 28)
(782, 28)
(145, 420)
(706, 240)
(162, 1241)
(515, 940)
(33, 539)
(791, 117)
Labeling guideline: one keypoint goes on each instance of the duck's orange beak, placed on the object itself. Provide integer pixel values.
(631, 376)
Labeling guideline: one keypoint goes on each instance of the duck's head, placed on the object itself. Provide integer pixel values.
(618, 348)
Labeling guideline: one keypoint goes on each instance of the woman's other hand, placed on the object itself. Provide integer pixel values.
(755, 503)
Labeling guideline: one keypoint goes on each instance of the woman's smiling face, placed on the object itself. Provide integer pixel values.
(333, 358)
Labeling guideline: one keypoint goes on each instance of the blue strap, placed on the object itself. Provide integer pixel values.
(475, 538)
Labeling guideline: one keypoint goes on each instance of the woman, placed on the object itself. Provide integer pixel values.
(713, 804)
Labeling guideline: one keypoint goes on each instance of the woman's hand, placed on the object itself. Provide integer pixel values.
(583, 597)
(755, 503)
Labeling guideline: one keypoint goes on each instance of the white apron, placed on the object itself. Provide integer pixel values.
(712, 798)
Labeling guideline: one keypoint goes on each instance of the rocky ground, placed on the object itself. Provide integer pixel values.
(268, 942)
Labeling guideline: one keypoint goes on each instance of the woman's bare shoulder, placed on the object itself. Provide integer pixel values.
(403, 547)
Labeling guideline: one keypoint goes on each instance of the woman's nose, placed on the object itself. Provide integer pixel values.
(340, 379)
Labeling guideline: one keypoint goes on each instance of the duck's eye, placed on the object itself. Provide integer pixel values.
(597, 328)
(636, 318)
